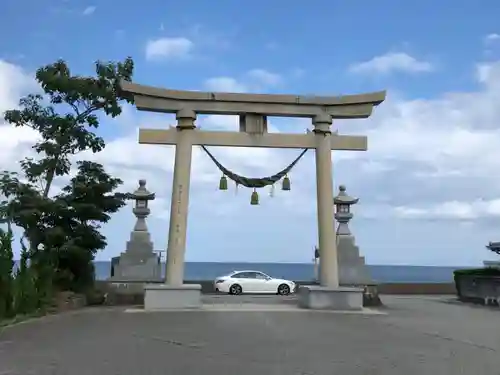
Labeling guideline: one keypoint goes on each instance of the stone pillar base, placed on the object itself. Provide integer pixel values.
(158, 297)
(324, 298)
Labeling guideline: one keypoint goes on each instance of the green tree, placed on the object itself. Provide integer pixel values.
(84, 204)
(65, 117)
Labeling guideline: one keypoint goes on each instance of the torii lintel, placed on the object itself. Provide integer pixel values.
(238, 139)
(154, 99)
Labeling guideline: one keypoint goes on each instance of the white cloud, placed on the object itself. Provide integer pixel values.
(455, 136)
(297, 73)
(14, 142)
(455, 132)
(392, 62)
(493, 37)
(169, 48)
(452, 210)
(225, 84)
(253, 80)
(89, 10)
(265, 77)
(448, 148)
(428, 159)
(14, 82)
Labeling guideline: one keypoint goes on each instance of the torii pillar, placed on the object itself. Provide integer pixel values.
(253, 110)
(324, 194)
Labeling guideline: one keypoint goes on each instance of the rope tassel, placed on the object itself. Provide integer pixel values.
(271, 192)
(254, 182)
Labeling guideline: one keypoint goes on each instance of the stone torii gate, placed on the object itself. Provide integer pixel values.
(253, 110)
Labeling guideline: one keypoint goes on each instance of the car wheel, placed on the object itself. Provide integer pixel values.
(235, 289)
(283, 290)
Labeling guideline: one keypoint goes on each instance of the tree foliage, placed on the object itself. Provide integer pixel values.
(67, 132)
(86, 202)
(6, 266)
(62, 229)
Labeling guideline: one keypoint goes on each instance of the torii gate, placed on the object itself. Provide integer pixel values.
(253, 110)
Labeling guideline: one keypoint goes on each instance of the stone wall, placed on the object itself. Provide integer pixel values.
(420, 288)
(384, 288)
(479, 289)
(133, 294)
(65, 301)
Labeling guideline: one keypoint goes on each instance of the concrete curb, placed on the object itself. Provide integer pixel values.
(247, 307)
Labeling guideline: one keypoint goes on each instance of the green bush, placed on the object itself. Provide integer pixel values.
(74, 270)
(485, 271)
(6, 277)
(25, 296)
(26, 291)
(95, 297)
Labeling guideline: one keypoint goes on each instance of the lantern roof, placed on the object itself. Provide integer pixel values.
(141, 193)
(343, 198)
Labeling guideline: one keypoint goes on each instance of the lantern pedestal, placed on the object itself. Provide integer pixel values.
(164, 297)
(139, 262)
(324, 298)
(352, 268)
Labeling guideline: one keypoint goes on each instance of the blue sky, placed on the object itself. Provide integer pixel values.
(428, 184)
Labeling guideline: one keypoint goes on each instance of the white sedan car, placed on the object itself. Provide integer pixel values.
(238, 282)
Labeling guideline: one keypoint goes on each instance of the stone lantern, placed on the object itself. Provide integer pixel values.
(343, 215)
(352, 268)
(139, 262)
(141, 210)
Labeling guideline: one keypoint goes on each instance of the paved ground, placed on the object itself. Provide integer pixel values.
(418, 335)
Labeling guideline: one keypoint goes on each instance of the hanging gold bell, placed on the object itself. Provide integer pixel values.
(223, 183)
(254, 200)
(286, 184)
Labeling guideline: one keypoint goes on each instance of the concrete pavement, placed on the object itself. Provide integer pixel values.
(418, 335)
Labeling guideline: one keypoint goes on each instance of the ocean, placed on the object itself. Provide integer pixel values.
(304, 271)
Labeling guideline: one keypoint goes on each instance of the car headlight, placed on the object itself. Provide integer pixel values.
(219, 281)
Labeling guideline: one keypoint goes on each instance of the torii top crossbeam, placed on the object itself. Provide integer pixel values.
(153, 99)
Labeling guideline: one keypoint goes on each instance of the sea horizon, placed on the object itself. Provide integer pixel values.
(312, 263)
(381, 273)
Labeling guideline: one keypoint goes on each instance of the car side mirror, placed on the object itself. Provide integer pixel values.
(268, 278)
